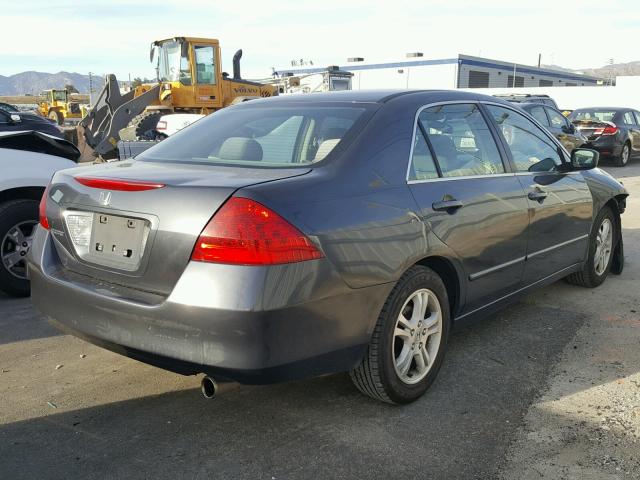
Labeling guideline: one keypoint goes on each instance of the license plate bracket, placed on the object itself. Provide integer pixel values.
(117, 241)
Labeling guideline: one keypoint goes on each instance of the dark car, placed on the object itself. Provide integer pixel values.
(21, 121)
(614, 132)
(7, 107)
(308, 234)
(553, 120)
(528, 98)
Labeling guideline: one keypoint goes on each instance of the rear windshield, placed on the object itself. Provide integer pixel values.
(264, 136)
(593, 115)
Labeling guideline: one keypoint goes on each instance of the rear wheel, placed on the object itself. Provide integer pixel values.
(625, 154)
(601, 248)
(56, 116)
(408, 341)
(18, 221)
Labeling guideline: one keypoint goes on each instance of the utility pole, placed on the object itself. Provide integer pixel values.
(539, 60)
(90, 88)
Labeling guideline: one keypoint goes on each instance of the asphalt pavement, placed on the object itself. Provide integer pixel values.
(71, 410)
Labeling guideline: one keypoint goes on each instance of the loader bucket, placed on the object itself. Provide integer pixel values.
(111, 113)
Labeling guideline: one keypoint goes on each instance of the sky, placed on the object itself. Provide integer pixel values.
(114, 36)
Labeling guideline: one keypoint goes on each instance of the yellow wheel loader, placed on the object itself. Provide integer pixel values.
(58, 107)
(189, 80)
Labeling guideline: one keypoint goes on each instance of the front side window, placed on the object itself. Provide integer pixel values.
(461, 140)
(265, 136)
(205, 64)
(60, 95)
(532, 150)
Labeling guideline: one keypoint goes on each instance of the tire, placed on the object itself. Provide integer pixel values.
(56, 116)
(378, 374)
(593, 273)
(22, 214)
(145, 125)
(625, 154)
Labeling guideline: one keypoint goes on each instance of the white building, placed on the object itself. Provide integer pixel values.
(462, 72)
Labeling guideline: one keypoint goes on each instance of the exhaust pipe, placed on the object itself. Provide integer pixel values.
(236, 65)
(209, 387)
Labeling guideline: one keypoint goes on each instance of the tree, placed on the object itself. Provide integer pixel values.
(71, 89)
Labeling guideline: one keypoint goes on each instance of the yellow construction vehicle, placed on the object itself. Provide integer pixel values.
(189, 80)
(58, 106)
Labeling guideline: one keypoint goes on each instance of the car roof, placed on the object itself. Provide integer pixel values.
(598, 109)
(377, 96)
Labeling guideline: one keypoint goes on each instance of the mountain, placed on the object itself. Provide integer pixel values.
(619, 70)
(35, 82)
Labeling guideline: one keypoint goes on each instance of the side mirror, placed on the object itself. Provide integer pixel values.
(584, 159)
(15, 118)
(569, 128)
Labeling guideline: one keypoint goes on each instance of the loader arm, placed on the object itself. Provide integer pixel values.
(113, 112)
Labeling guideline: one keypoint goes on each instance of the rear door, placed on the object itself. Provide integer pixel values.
(469, 199)
(631, 124)
(560, 203)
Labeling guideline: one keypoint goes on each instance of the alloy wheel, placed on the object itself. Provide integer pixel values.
(15, 246)
(417, 336)
(604, 243)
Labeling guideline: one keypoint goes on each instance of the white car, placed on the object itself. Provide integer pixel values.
(174, 122)
(25, 174)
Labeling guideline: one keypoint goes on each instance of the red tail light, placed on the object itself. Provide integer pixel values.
(117, 184)
(42, 209)
(610, 130)
(244, 232)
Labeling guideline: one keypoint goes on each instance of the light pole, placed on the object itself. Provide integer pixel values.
(356, 60)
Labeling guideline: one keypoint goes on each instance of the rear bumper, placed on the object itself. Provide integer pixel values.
(608, 146)
(249, 324)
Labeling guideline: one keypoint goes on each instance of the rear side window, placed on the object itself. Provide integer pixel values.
(461, 140)
(539, 115)
(422, 165)
(628, 118)
(557, 119)
(278, 137)
(531, 148)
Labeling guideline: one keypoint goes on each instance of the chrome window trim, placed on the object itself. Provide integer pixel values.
(553, 139)
(462, 177)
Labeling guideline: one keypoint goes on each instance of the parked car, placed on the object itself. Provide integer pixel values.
(24, 121)
(614, 132)
(528, 98)
(302, 235)
(553, 120)
(7, 107)
(25, 175)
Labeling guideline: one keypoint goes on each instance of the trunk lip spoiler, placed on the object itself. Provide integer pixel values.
(118, 184)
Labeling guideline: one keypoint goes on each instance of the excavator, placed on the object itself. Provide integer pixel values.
(189, 80)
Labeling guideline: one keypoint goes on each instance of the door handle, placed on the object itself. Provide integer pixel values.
(538, 195)
(450, 206)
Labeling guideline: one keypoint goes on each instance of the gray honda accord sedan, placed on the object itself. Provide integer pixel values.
(302, 235)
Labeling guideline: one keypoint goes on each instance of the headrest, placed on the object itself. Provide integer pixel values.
(240, 148)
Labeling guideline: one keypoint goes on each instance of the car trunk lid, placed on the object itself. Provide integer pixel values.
(135, 223)
(594, 129)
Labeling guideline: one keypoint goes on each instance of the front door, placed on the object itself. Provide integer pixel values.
(560, 203)
(207, 89)
(469, 200)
